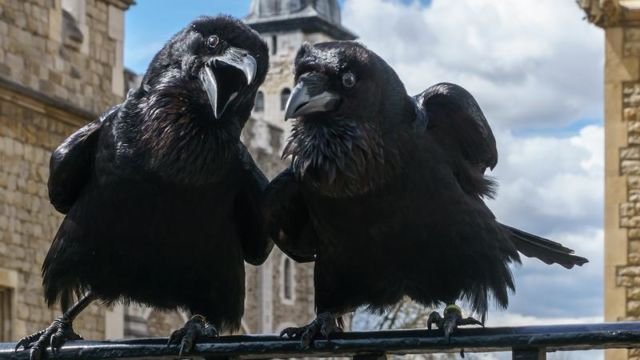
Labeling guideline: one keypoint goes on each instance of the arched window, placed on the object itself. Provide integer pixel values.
(259, 106)
(274, 44)
(284, 97)
(288, 293)
(287, 284)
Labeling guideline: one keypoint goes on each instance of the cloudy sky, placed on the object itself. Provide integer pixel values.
(536, 71)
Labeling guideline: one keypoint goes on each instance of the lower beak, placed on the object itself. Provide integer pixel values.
(236, 58)
(311, 96)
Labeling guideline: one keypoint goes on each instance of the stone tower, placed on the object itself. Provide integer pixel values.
(620, 20)
(285, 25)
(282, 290)
(61, 65)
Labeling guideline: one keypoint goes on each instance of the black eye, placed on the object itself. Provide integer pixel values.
(212, 41)
(348, 79)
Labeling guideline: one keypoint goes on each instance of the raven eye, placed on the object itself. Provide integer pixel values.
(212, 41)
(348, 79)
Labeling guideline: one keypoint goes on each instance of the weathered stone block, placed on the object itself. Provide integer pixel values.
(630, 153)
(630, 167)
(633, 308)
(627, 210)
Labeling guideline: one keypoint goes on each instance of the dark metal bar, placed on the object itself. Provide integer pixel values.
(551, 338)
(372, 356)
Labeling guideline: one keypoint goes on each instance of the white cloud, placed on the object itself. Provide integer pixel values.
(555, 181)
(528, 65)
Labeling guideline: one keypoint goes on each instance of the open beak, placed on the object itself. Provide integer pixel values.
(224, 76)
(311, 96)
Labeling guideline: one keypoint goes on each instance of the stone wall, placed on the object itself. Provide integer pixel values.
(35, 53)
(29, 131)
(58, 69)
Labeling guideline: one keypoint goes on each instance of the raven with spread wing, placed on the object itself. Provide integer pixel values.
(385, 193)
(162, 200)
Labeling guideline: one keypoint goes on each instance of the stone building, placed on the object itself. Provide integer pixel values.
(620, 20)
(61, 64)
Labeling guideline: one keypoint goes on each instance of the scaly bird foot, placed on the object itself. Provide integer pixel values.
(325, 324)
(60, 331)
(451, 320)
(196, 327)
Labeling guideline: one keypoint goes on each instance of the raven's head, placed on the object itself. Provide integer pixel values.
(346, 102)
(220, 60)
(196, 96)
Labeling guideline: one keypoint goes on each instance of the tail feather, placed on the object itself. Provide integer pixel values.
(549, 252)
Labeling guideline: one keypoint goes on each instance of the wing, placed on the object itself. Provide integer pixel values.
(256, 245)
(287, 218)
(457, 121)
(71, 163)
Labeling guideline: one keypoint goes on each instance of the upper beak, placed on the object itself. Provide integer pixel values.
(235, 57)
(311, 96)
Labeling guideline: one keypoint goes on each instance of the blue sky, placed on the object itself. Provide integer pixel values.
(151, 22)
(537, 74)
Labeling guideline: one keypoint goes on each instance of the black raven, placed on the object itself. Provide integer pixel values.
(385, 193)
(161, 198)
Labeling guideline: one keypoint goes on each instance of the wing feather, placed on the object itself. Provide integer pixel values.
(287, 218)
(71, 164)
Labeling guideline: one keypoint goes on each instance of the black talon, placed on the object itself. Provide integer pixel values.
(26, 341)
(451, 320)
(59, 332)
(324, 324)
(196, 327)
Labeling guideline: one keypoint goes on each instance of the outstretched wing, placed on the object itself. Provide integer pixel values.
(287, 218)
(71, 163)
(456, 122)
(256, 245)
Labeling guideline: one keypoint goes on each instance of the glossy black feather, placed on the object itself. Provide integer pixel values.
(402, 214)
(71, 163)
(162, 201)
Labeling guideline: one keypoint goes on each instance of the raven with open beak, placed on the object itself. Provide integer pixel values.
(161, 199)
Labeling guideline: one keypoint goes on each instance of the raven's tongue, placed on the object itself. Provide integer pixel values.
(222, 84)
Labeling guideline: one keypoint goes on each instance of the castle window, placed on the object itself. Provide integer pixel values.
(259, 106)
(284, 97)
(73, 22)
(6, 313)
(287, 285)
(270, 7)
(274, 45)
(8, 284)
(295, 6)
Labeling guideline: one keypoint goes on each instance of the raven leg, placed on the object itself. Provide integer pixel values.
(451, 320)
(196, 327)
(60, 331)
(325, 324)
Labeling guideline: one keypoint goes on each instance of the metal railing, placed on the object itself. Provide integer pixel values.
(526, 343)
